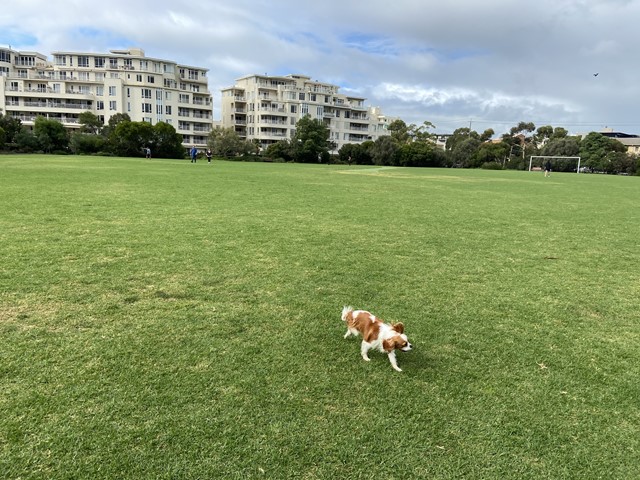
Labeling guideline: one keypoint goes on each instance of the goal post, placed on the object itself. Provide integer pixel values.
(533, 160)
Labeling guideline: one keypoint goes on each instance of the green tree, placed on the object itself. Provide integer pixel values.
(90, 123)
(399, 132)
(166, 142)
(11, 126)
(597, 152)
(86, 143)
(356, 153)
(279, 151)
(51, 135)
(225, 142)
(129, 138)
(383, 151)
(311, 140)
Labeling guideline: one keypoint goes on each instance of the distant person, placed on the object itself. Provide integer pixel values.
(208, 155)
(147, 152)
(194, 154)
(547, 168)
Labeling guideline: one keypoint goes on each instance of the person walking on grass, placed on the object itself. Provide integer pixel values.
(208, 155)
(547, 168)
(194, 154)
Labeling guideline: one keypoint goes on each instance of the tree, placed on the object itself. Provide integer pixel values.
(562, 147)
(11, 126)
(225, 142)
(311, 140)
(280, 151)
(51, 135)
(86, 143)
(597, 152)
(129, 138)
(354, 153)
(166, 142)
(90, 123)
(399, 132)
(383, 151)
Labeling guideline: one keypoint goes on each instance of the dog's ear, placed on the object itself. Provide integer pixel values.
(389, 345)
(398, 327)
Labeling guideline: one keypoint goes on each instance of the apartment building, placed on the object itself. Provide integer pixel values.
(267, 108)
(121, 81)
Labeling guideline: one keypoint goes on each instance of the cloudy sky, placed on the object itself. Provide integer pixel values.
(455, 63)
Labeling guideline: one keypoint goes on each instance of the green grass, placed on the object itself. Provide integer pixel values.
(161, 319)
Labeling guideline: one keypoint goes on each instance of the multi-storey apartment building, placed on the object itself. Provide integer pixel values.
(267, 108)
(121, 81)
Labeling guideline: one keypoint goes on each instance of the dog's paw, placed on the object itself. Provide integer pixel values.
(366, 359)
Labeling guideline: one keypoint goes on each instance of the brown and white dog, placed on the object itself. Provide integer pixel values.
(376, 334)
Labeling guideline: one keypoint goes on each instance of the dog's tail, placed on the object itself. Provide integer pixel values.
(345, 312)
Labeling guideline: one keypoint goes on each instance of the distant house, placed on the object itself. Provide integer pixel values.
(629, 140)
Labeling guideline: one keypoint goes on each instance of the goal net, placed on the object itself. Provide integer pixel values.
(558, 163)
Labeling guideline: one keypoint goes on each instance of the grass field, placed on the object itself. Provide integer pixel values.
(161, 319)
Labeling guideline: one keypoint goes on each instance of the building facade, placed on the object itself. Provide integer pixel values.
(121, 81)
(267, 108)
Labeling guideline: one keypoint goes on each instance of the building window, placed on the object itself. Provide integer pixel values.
(151, 79)
(60, 60)
(167, 110)
(294, 109)
(146, 93)
(304, 109)
(98, 62)
(99, 105)
(112, 91)
(83, 61)
(113, 105)
(301, 96)
(100, 90)
(146, 108)
(138, 78)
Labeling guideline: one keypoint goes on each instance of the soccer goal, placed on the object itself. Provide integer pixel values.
(538, 161)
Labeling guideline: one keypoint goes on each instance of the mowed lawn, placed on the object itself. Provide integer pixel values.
(160, 319)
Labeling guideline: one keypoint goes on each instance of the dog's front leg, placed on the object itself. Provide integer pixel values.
(392, 359)
(364, 348)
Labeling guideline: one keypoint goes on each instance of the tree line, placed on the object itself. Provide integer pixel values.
(121, 137)
(416, 146)
(405, 145)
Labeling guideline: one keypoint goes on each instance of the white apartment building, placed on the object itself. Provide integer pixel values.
(267, 108)
(121, 81)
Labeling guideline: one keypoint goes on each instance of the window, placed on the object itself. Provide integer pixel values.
(113, 105)
(83, 61)
(312, 97)
(146, 108)
(113, 63)
(84, 76)
(167, 110)
(304, 109)
(151, 79)
(159, 95)
(146, 93)
(99, 90)
(60, 60)
(128, 64)
(158, 109)
(138, 78)
(99, 105)
(112, 91)
(167, 95)
(98, 62)
(294, 109)
(183, 98)
(56, 88)
(99, 77)
(301, 96)
(5, 56)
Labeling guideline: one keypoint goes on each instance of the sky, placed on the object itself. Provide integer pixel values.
(456, 63)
